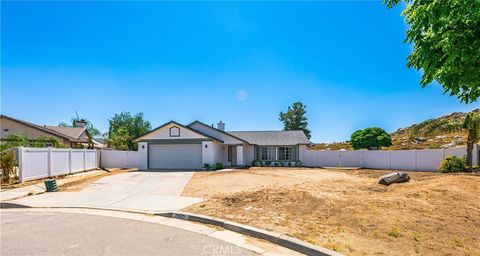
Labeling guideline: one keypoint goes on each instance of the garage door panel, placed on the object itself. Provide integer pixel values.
(175, 156)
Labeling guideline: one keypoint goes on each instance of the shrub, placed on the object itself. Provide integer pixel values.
(218, 166)
(452, 164)
(395, 232)
(476, 168)
(253, 163)
(206, 167)
(41, 141)
(8, 163)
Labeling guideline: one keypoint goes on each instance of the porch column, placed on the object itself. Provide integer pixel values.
(240, 155)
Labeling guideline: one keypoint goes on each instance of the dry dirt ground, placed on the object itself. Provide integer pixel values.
(347, 211)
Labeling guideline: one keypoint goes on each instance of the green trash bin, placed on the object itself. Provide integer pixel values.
(51, 185)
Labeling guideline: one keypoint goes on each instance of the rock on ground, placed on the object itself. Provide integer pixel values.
(396, 177)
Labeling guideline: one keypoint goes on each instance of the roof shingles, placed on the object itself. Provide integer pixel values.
(272, 138)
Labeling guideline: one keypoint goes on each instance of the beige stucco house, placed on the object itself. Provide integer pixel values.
(68, 136)
(177, 146)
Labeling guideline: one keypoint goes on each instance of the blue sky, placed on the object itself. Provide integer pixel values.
(242, 63)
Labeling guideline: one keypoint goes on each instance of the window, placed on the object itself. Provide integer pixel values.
(229, 153)
(174, 131)
(267, 153)
(285, 153)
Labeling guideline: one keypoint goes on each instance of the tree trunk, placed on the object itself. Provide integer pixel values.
(469, 153)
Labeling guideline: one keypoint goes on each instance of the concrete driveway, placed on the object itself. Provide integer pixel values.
(143, 182)
(145, 191)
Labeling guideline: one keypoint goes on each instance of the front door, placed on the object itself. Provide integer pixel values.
(232, 155)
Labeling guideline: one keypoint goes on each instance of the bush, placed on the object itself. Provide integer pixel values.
(452, 164)
(218, 166)
(8, 163)
(206, 167)
(476, 168)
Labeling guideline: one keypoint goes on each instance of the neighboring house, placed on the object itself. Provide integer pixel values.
(176, 146)
(68, 136)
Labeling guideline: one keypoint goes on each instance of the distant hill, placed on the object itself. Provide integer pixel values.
(442, 132)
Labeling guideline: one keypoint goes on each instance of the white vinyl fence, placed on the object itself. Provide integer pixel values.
(414, 160)
(36, 163)
(119, 159)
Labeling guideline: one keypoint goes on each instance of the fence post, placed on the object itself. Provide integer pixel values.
(49, 161)
(100, 164)
(361, 158)
(21, 174)
(340, 159)
(390, 158)
(416, 168)
(70, 160)
(84, 159)
(98, 158)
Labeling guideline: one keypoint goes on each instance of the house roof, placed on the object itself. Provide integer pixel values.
(41, 128)
(73, 132)
(218, 130)
(271, 138)
(177, 124)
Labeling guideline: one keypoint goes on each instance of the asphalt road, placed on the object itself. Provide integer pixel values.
(46, 233)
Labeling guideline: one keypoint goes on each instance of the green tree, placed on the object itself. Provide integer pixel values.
(446, 43)
(17, 139)
(370, 138)
(120, 139)
(92, 131)
(472, 125)
(295, 118)
(124, 128)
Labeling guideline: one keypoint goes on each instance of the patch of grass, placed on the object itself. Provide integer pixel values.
(457, 242)
(394, 232)
(416, 237)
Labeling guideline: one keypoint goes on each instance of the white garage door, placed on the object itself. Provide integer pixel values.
(175, 156)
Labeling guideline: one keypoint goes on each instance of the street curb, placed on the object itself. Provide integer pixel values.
(280, 239)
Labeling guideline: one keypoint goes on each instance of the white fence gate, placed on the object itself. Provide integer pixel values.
(415, 160)
(36, 163)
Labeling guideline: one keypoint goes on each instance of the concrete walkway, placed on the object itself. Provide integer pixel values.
(144, 191)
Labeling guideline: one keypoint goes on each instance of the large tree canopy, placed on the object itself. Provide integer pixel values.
(295, 119)
(446, 43)
(370, 138)
(124, 128)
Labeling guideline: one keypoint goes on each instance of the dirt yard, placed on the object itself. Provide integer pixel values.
(347, 211)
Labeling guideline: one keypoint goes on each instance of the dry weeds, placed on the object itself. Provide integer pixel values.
(347, 211)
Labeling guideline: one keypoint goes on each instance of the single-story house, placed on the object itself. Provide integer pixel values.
(176, 146)
(68, 136)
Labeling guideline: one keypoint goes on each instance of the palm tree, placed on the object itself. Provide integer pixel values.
(472, 125)
(92, 131)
